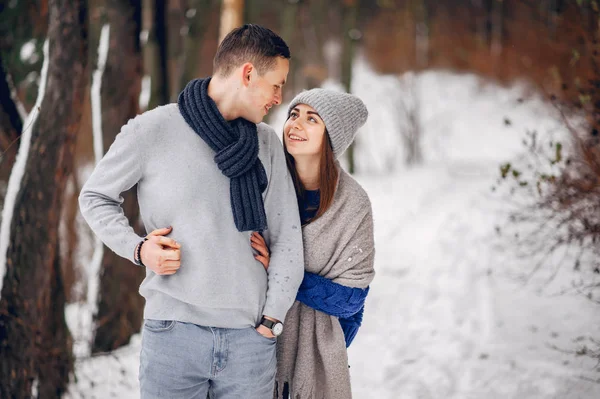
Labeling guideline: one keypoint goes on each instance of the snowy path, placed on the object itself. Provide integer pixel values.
(439, 323)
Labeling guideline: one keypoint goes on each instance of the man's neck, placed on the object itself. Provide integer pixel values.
(308, 172)
(224, 94)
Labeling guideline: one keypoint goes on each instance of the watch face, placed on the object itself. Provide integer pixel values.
(277, 329)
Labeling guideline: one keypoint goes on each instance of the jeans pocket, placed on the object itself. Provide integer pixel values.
(159, 325)
(266, 339)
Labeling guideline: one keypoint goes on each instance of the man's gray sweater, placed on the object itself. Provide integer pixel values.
(220, 283)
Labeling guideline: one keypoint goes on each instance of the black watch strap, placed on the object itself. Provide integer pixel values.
(267, 323)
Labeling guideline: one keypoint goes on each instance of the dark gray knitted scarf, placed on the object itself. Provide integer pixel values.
(236, 146)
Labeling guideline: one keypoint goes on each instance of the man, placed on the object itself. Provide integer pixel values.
(207, 170)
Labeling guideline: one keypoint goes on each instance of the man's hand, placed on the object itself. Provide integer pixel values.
(161, 254)
(264, 331)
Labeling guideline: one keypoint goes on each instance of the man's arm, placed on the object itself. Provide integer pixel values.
(284, 237)
(100, 199)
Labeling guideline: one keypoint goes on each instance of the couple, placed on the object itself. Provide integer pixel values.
(259, 258)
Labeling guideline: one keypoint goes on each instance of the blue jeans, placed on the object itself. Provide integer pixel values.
(183, 360)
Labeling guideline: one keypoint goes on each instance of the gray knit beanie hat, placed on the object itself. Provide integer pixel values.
(342, 113)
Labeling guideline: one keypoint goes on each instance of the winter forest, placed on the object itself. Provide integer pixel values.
(481, 156)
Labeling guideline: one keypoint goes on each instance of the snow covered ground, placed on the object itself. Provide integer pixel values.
(446, 319)
(446, 316)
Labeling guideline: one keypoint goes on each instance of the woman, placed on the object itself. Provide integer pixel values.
(312, 361)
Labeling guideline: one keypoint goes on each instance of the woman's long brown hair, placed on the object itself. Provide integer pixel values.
(328, 175)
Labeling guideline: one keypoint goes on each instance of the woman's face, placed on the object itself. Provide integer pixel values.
(303, 132)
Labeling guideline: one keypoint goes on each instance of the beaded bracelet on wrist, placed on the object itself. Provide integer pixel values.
(138, 257)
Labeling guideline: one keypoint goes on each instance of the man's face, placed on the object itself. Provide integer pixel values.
(263, 92)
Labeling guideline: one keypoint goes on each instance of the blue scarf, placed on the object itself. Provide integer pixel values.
(337, 300)
(236, 146)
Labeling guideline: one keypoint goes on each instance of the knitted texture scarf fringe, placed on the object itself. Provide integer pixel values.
(236, 146)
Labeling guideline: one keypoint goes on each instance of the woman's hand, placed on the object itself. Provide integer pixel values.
(258, 243)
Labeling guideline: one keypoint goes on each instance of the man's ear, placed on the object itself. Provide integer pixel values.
(247, 73)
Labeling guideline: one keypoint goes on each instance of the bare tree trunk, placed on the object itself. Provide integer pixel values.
(421, 34)
(120, 306)
(411, 131)
(313, 23)
(232, 16)
(288, 27)
(406, 101)
(197, 15)
(156, 51)
(162, 40)
(350, 34)
(11, 126)
(56, 345)
(333, 46)
(480, 19)
(68, 231)
(34, 339)
(318, 28)
(177, 22)
(497, 13)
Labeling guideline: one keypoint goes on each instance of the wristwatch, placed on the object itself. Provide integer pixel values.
(276, 327)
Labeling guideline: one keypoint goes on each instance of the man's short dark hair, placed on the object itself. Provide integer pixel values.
(249, 43)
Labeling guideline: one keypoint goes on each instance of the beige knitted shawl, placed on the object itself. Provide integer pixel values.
(311, 352)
